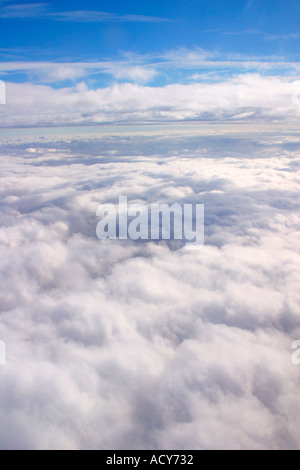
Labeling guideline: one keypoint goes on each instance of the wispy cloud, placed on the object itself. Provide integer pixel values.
(283, 37)
(26, 10)
(246, 32)
(198, 58)
(264, 35)
(44, 11)
(174, 66)
(85, 16)
(51, 72)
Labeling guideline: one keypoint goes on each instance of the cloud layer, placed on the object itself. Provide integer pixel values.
(181, 66)
(249, 96)
(122, 345)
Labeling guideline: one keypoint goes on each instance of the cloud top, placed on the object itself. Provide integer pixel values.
(124, 345)
(246, 97)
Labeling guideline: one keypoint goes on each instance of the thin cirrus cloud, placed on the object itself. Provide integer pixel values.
(43, 11)
(50, 72)
(265, 36)
(178, 64)
(98, 16)
(27, 10)
(282, 37)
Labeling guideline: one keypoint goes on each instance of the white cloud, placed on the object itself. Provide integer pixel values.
(85, 16)
(121, 345)
(47, 72)
(135, 73)
(251, 96)
(282, 37)
(201, 60)
(40, 11)
(195, 64)
(23, 10)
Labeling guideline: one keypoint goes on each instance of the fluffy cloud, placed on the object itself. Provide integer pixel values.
(247, 96)
(123, 345)
(47, 72)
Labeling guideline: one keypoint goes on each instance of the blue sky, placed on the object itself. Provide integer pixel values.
(157, 42)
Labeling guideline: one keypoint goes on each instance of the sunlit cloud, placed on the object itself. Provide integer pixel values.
(205, 337)
(249, 96)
